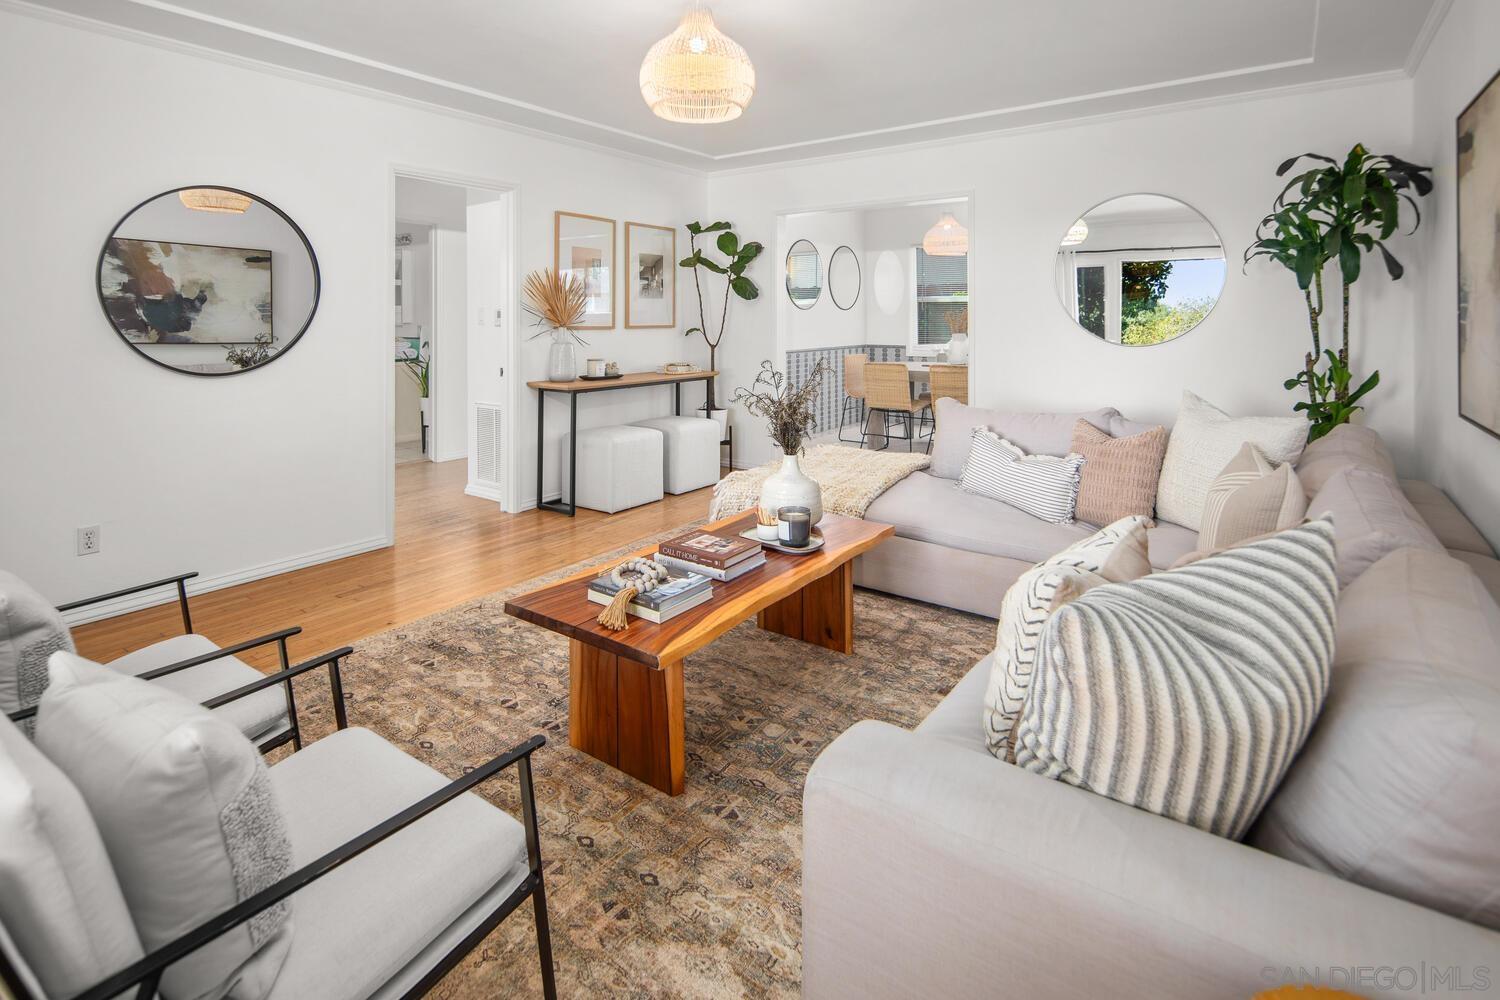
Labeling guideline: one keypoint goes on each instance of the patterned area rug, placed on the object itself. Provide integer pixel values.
(650, 895)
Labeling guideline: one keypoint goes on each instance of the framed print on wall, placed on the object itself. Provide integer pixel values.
(650, 276)
(1479, 259)
(159, 292)
(584, 250)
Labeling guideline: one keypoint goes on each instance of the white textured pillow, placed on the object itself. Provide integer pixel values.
(1113, 554)
(186, 809)
(30, 631)
(1188, 693)
(1044, 486)
(1203, 441)
(58, 893)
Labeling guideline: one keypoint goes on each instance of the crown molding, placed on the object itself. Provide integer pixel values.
(1059, 124)
(1423, 42)
(221, 56)
(720, 164)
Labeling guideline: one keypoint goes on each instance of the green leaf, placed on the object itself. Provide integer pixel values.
(1291, 383)
(1364, 387)
(1392, 265)
(1306, 265)
(729, 244)
(690, 261)
(1349, 259)
(744, 288)
(1287, 165)
(713, 266)
(750, 251)
(716, 227)
(696, 228)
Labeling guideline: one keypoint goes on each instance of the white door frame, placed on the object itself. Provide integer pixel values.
(512, 190)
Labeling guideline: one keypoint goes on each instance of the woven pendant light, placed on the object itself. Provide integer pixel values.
(946, 238)
(1077, 234)
(697, 74)
(214, 200)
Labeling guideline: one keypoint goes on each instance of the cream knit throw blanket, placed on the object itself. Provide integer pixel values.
(850, 477)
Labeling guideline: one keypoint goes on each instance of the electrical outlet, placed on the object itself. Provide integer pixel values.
(88, 540)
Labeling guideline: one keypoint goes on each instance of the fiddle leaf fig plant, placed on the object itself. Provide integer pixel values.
(1338, 211)
(738, 258)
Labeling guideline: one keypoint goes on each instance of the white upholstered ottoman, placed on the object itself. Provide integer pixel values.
(618, 467)
(691, 445)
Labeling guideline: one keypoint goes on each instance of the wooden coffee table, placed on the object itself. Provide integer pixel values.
(625, 688)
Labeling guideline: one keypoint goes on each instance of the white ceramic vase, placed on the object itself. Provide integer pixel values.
(958, 349)
(790, 487)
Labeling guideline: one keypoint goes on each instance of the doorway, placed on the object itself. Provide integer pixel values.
(450, 335)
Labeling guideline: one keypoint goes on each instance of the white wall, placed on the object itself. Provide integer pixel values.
(896, 229)
(188, 473)
(1455, 454)
(825, 324)
(1028, 187)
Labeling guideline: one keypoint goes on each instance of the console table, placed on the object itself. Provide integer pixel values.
(583, 387)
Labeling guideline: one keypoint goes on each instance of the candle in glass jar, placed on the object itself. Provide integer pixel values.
(794, 526)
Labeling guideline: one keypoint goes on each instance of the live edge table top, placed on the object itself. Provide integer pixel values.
(565, 608)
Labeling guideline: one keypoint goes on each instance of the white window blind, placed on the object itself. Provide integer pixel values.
(942, 296)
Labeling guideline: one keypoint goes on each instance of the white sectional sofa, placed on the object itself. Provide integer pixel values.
(932, 868)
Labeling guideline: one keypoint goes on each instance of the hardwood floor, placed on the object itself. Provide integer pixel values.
(449, 548)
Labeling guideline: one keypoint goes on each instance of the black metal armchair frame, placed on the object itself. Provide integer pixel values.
(293, 734)
(145, 975)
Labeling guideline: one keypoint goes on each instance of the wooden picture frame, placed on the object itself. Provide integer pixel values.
(590, 258)
(650, 276)
(1477, 169)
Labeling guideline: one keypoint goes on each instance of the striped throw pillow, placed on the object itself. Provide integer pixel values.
(1250, 497)
(1115, 553)
(1044, 486)
(1188, 693)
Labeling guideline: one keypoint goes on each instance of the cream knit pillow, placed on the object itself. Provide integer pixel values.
(1203, 441)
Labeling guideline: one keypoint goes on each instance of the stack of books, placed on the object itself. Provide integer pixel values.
(721, 557)
(683, 590)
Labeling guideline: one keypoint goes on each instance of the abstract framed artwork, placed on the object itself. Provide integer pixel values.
(1478, 162)
(651, 276)
(160, 292)
(584, 249)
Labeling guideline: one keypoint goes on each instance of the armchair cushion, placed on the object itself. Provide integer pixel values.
(30, 631)
(367, 922)
(188, 815)
(58, 893)
(258, 716)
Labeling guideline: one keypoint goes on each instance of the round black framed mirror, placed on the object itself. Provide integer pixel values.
(844, 278)
(804, 274)
(208, 280)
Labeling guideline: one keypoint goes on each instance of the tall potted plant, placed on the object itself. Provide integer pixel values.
(1338, 211)
(419, 367)
(738, 257)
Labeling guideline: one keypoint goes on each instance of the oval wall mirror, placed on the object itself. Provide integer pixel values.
(1139, 270)
(208, 280)
(843, 278)
(804, 274)
(889, 283)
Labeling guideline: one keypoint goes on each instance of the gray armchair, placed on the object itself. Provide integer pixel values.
(189, 664)
(396, 872)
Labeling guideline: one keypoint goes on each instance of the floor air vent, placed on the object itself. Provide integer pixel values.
(488, 445)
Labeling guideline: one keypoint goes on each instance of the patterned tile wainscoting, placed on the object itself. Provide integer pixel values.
(800, 365)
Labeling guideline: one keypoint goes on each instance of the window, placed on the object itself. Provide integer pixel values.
(1144, 297)
(941, 300)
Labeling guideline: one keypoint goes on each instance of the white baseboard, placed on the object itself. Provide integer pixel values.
(484, 492)
(202, 585)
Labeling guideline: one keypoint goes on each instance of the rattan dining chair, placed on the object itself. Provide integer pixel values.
(888, 392)
(854, 395)
(947, 382)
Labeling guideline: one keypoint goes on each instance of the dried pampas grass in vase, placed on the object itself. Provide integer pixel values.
(559, 305)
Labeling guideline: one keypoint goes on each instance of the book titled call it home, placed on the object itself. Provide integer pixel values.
(708, 549)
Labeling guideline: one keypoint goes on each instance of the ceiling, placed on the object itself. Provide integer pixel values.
(833, 76)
